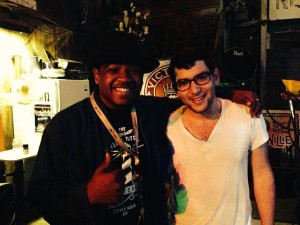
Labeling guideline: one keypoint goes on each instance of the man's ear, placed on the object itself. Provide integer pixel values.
(217, 76)
(96, 73)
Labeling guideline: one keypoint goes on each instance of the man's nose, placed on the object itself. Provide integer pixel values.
(125, 74)
(195, 87)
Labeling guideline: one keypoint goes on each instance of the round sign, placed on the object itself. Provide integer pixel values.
(239, 64)
(159, 84)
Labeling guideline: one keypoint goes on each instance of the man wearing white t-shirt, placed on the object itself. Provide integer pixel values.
(212, 138)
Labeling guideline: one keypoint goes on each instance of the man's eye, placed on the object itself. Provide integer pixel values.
(113, 70)
(183, 82)
(136, 71)
(201, 77)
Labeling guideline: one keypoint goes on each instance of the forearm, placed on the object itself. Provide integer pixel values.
(264, 190)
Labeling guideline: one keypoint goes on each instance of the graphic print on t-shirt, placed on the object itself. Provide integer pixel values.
(127, 209)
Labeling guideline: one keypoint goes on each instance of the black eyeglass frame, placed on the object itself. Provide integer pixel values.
(200, 75)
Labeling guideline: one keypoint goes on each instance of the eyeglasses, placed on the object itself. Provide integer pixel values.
(200, 79)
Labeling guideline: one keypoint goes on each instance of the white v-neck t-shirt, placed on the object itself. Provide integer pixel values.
(215, 172)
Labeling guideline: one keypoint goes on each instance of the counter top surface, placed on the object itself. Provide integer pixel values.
(16, 154)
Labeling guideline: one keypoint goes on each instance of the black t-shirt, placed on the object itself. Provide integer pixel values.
(127, 210)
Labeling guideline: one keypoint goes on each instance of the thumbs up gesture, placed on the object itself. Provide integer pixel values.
(106, 186)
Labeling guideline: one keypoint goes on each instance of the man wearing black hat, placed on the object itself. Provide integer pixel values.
(103, 160)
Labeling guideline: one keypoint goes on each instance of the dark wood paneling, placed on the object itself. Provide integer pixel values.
(283, 62)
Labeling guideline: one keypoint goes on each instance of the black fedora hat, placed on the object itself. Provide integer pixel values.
(115, 47)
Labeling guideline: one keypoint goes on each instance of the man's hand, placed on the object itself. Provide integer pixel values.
(248, 98)
(106, 187)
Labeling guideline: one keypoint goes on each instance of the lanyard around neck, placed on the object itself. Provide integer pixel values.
(113, 132)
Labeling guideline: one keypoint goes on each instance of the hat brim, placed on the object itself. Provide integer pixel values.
(147, 64)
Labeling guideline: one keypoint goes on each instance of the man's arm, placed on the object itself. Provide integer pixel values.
(49, 192)
(263, 183)
(58, 182)
(244, 97)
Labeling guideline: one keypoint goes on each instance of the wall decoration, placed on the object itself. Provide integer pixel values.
(284, 9)
(134, 21)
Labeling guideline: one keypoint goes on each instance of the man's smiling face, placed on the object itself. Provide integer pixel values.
(118, 84)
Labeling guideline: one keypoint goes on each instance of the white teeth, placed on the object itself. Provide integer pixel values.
(197, 99)
(122, 89)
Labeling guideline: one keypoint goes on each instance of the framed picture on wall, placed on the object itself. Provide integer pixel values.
(27, 3)
(284, 9)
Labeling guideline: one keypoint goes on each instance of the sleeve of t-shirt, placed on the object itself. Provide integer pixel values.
(259, 133)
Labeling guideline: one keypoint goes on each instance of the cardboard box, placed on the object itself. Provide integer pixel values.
(280, 128)
(282, 136)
